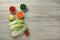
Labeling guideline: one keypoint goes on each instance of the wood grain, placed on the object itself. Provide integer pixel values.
(42, 19)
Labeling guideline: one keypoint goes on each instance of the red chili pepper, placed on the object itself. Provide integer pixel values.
(12, 9)
(26, 33)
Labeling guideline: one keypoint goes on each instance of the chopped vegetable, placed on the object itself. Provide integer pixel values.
(20, 14)
(12, 9)
(23, 6)
(11, 17)
(16, 22)
(20, 32)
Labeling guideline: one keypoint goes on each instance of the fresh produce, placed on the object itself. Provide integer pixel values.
(12, 9)
(26, 33)
(16, 27)
(20, 14)
(16, 22)
(20, 32)
(11, 17)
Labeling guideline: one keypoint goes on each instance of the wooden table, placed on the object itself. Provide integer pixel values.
(42, 19)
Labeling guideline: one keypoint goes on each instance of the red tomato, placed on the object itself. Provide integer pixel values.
(26, 33)
(12, 9)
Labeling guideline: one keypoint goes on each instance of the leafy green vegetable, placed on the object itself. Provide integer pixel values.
(20, 21)
(16, 22)
(16, 27)
(20, 32)
(13, 23)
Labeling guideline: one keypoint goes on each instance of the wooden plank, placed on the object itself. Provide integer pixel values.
(42, 19)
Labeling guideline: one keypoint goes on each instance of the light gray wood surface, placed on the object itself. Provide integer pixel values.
(42, 19)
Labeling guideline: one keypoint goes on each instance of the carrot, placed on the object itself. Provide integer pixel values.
(20, 14)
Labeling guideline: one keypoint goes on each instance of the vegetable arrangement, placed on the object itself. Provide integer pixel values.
(17, 25)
